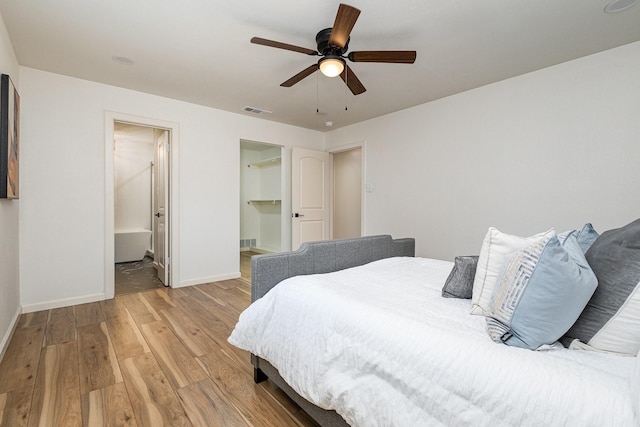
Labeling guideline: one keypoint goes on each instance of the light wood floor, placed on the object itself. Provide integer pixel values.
(153, 358)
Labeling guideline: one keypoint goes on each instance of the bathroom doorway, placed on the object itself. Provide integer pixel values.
(139, 208)
(141, 154)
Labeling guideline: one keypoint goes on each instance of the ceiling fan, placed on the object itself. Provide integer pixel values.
(332, 45)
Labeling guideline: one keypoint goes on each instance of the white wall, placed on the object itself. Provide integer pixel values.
(9, 220)
(63, 186)
(556, 147)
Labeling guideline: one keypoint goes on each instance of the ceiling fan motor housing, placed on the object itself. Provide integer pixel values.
(324, 48)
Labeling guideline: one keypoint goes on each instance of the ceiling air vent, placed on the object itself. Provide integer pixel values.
(257, 111)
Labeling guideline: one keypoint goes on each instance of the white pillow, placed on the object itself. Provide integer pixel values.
(635, 387)
(495, 248)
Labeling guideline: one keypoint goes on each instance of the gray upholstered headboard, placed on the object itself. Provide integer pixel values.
(323, 257)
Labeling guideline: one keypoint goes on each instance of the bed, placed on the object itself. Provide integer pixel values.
(357, 333)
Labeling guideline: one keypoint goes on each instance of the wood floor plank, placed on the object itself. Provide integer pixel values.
(281, 399)
(125, 336)
(232, 296)
(140, 309)
(253, 402)
(108, 407)
(61, 326)
(156, 302)
(222, 308)
(206, 406)
(168, 294)
(20, 362)
(193, 337)
(88, 314)
(152, 398)
(56, 397)
(177, 363)
(37, 318)
(203, 315)
(111, 307)
(14, 407)
(97, 358)
(172, 293)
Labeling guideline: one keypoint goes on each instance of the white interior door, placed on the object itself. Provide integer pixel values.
(161, 205)
(310, 196)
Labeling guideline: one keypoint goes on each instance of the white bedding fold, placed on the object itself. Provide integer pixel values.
(379, 345)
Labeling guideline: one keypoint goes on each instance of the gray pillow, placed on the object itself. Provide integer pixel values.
(459, 284)
(609, 322)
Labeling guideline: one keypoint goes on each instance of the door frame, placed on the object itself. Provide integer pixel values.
(109, 223)
(363, 194)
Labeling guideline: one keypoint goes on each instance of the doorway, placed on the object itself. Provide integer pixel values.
(327, 196)
(139, 172)
(147, 224)
(261, 194)
(260, 197)
(347, 193)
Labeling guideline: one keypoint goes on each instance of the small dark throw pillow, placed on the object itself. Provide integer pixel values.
(459, 284)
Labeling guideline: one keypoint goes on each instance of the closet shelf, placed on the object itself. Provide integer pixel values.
(264, 202)
(266, 163)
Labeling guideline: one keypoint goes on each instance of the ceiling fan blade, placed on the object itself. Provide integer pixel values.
(389, 56)
(352, 81)
(345, 20)
(301, 75)
(279, 45)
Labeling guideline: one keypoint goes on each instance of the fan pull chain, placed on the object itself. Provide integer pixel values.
(317, 94)
(346, 85)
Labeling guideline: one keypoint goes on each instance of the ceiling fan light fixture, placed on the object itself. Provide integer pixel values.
(331, 66)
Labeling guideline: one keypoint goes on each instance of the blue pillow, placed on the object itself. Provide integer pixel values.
(586, 236)
(540, 292)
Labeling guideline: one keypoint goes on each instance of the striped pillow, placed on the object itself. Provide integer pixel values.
(611, 320)
(540, 292)
(496, 247)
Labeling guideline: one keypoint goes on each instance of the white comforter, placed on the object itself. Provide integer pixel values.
(379, 345)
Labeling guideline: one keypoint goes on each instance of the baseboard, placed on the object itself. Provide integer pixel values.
(209, 279)
(7, 336)
(262, 250)
(48, 305)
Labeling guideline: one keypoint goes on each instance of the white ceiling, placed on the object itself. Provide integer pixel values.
(198, 50)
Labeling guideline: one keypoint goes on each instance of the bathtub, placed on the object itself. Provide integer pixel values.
(131, 245)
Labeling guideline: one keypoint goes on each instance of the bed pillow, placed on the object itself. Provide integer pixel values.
(459, 284)
(635, 386)
(586, 236)
(495, 248)
(540, 292)
(611, 320)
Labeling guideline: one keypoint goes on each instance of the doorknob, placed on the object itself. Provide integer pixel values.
(296, 215)
(158, 214)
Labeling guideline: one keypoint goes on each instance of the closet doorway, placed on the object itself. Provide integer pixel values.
(140, 212)
(261, 193)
